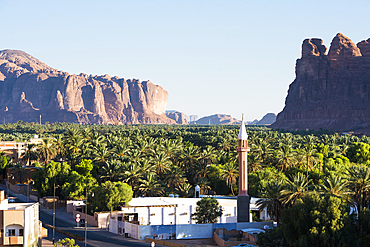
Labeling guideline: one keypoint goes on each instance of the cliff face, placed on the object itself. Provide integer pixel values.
(217, 119)
(268, 119)
(30, 88)
(179, 117)
(330, 91)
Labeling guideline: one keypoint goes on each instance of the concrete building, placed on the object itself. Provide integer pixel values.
(170, 217)
(14, 150)
(19, 223)
(171, 211)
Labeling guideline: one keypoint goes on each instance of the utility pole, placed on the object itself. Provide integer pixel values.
(86, 219)
(53, 212)
(40, 119)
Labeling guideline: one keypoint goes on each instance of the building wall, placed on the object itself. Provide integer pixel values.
(171, 215)
(183, 231)
(31, 222)
(12, 219)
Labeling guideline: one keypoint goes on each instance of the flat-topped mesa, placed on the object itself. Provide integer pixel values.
(329, 91)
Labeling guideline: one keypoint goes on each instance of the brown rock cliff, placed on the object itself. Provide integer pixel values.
(330, 91)
(29, 88)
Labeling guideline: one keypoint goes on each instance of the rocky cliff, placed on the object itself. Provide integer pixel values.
(29, 88)
(217, 119)
(330, 91)
(268, 119)
(179, 117)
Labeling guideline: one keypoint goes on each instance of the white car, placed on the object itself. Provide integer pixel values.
(252, 231)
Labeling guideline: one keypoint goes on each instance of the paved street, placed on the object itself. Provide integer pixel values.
(95, 236)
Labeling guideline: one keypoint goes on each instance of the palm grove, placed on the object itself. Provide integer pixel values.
(287, 170)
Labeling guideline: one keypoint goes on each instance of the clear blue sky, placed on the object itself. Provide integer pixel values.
(212, 56)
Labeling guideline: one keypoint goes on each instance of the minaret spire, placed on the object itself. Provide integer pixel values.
(243, 197)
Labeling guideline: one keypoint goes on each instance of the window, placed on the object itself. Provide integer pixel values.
(20, 232)
(11, 232)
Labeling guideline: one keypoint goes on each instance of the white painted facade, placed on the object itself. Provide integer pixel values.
(171, 211)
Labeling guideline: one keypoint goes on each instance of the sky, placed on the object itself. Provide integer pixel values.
(212, 57)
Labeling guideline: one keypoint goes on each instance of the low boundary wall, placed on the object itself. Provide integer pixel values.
(189, 231)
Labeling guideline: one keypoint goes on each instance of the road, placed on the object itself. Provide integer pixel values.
(95, 237)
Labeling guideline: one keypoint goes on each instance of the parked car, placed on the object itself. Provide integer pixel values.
(11, 199)
(244, 245)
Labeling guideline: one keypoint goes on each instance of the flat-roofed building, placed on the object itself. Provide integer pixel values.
(14, 150)
(19, 223)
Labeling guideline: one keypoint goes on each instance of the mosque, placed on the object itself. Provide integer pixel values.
(170, 217)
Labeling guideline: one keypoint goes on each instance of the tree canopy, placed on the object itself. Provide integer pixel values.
(208, 210)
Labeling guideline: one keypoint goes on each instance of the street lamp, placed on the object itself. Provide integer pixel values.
(7, 194)
(86, 217)
(28, 190)
(54, 212)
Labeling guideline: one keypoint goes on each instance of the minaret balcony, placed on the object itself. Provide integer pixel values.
(243, 149)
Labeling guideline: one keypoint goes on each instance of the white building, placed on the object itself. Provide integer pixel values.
(170, 217)
(171, 210)
(19, 223)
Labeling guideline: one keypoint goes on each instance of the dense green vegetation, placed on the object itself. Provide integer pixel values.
(287, 170)
(208, 210)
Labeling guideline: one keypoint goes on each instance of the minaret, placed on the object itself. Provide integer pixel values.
(243, 197)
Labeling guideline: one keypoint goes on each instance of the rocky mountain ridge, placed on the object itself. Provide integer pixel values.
(29, 88)
(330, 91)
(217, 119)
(268, 119)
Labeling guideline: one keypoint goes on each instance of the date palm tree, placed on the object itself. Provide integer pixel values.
(204, 185)
(100, 153)
(47, 150)
(150, 185)
(30, 153)
(190, 154)
(184, 190)
(175, 177)
(296, 187)
(60, 146)
(335, 186)
(132, 174)
(272, 201)
(19, 171)
(359, 184)
(309, 153)
(121, 148)
(161, 163)
(254, 163)
(285, 157)
(230, 174)
(112, 170)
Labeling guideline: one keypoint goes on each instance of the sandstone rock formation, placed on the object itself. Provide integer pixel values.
(268, 119)
(217, 119)
(179, 117)
(29, 88)
(330, 91)
(255, 121)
